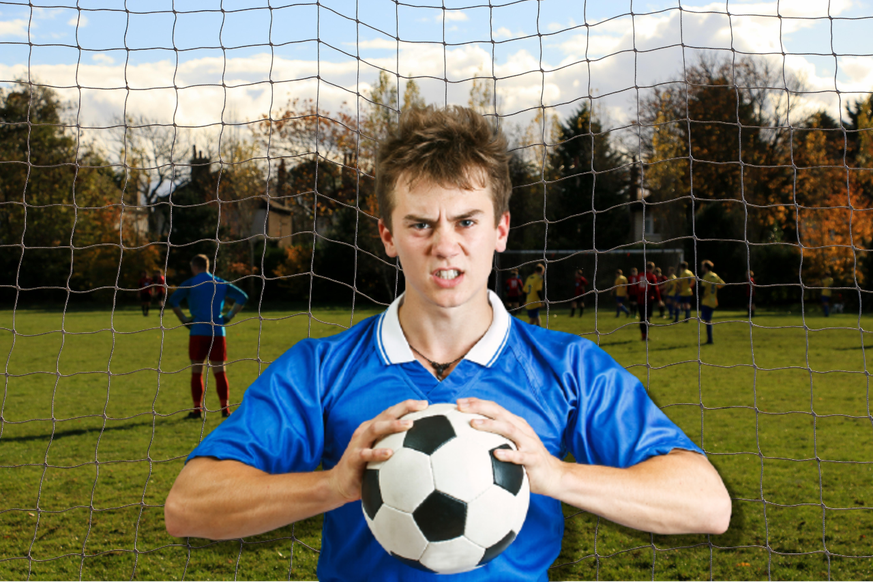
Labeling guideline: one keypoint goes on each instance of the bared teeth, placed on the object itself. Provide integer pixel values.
(450, 274)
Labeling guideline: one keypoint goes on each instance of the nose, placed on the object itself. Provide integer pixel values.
(445, 241)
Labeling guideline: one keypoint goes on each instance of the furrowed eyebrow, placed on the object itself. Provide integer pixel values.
(413, 219)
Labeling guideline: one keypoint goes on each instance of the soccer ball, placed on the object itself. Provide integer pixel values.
(443, 503)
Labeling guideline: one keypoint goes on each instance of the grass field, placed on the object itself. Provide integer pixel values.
(92, 436)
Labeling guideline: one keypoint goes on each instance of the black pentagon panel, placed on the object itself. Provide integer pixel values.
(428, 434)
(497, 548)
(413, 563)
(371, 492)
(507, 475)
(441, 517)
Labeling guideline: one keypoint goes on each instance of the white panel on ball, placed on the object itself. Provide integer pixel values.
(491, 516)
(452, 556)
(397, 530)
(393, 442)
(406, 479)
(522, 501)
(461, 423)
(462, 469)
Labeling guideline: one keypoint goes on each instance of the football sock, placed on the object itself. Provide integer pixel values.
(581, 310)
(709, 333)
(222, 388)
(753, 313)
(572, 311)
(661, 309)
(197, 390)
(687, 314)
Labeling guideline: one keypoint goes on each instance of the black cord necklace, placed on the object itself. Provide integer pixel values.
(441, 368)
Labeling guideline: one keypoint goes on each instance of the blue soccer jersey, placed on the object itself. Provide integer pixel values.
(302, 410)
(206, 294)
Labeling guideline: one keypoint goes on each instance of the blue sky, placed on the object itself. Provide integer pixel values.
(223, 67)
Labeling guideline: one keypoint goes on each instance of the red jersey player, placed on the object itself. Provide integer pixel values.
(633, 291)
(159, 287)
(145, 292)
(750, 293)
(648, 295)
(514, 286)
(579, 287)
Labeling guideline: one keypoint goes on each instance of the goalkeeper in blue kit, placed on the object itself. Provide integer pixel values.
(299, 443)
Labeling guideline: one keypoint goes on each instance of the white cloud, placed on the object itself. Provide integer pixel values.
(452, 16)
(612, 75)
(17, 27)
(80, 21)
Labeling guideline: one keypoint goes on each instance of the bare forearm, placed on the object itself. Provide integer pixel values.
(226, 499)
(670, 494)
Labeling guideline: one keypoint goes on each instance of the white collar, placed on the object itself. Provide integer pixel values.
(394, 348)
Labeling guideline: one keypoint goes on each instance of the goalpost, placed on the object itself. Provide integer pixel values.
(135, 135)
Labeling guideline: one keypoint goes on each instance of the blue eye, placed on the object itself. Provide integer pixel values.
(467, 223)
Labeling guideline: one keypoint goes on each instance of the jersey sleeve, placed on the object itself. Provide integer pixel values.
(279, 426)
(179, 294)
(237, 294)
(615, 423)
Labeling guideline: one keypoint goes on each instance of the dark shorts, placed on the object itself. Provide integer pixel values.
(145, 296)
(513, 298)
(201, 347)
(825, 299)
(619, 300)
(533, 313)
(706, 312)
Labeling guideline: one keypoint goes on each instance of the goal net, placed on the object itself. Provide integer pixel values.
(136, 135)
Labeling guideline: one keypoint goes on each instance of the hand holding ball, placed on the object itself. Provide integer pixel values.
(443, 502)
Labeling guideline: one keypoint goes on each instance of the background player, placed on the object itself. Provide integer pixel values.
(533, 288)
(619, 290)
(649, 296)
(145, 292)
(662, 281)
(633, 291)
(514, 286)
(579, 286)
(827, 282)
(206, 294)
(685, 283)
(444, 215)
(159, 288)
(711, 284)
(669, 291)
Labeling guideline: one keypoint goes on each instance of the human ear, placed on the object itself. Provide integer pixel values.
(387, 239)
(502, 232)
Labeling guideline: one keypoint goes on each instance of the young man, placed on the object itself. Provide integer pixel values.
(579, 286)
(619, 290)
(533, 288)
(145, 292)
(685, 284)
(633, 281)
(711, 284)
(649, 296)
(669, 290)
(443, 186)
(827, 282)
(514, 286)
(206, 294)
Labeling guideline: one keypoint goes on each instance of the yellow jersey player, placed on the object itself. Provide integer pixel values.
(619, 289)
(684, 290)
(827, 282)
(711, 284)
(533, 288)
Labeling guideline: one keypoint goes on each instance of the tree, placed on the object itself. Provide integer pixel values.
(151, 154)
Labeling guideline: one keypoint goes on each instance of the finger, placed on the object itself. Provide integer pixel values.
(380, 428)
(375, 455)
(503, 428)
(405, 407)
(491, 410)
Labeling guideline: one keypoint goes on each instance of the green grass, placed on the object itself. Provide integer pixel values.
(93, 436)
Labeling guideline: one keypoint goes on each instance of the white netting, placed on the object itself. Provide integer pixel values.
(135, 135)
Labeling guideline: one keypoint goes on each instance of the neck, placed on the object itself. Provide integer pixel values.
(444, 334)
